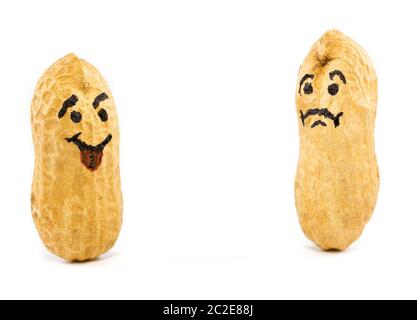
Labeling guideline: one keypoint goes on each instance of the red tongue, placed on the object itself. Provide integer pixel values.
(91, 159)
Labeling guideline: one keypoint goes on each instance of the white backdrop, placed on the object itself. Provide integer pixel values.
(205, 95)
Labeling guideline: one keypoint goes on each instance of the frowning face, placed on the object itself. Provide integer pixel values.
(312, 114)
(91, 155)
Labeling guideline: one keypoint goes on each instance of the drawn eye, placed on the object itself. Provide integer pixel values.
(103, 115)
(333, 89)
(76, 117)
(308, 88)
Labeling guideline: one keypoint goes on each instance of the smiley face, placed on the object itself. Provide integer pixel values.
(91, 155)
(322, 113)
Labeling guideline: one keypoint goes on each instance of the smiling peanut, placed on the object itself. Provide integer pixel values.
(76, 192)
(337, 179)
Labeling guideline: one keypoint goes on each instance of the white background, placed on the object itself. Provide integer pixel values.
(205, 95)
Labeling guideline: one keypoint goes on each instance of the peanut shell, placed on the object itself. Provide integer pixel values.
(337, 180)
(76, 191)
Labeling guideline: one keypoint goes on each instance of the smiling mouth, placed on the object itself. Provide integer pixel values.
(321, 113)
(91, 156)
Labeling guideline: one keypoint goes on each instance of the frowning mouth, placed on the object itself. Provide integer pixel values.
(91, 156)
(321, 113)
(319, 123)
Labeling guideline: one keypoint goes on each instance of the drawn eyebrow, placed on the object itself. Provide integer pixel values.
(307, 76)
(339, 74)
(100, 98)
(69, 103)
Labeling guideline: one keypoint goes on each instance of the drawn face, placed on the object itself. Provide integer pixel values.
(91, 155)
(314, 116)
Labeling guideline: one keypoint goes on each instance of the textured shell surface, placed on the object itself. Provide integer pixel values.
(337, 178)
(76, 192)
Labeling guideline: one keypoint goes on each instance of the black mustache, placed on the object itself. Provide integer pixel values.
(84, 146)
(323, 113)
